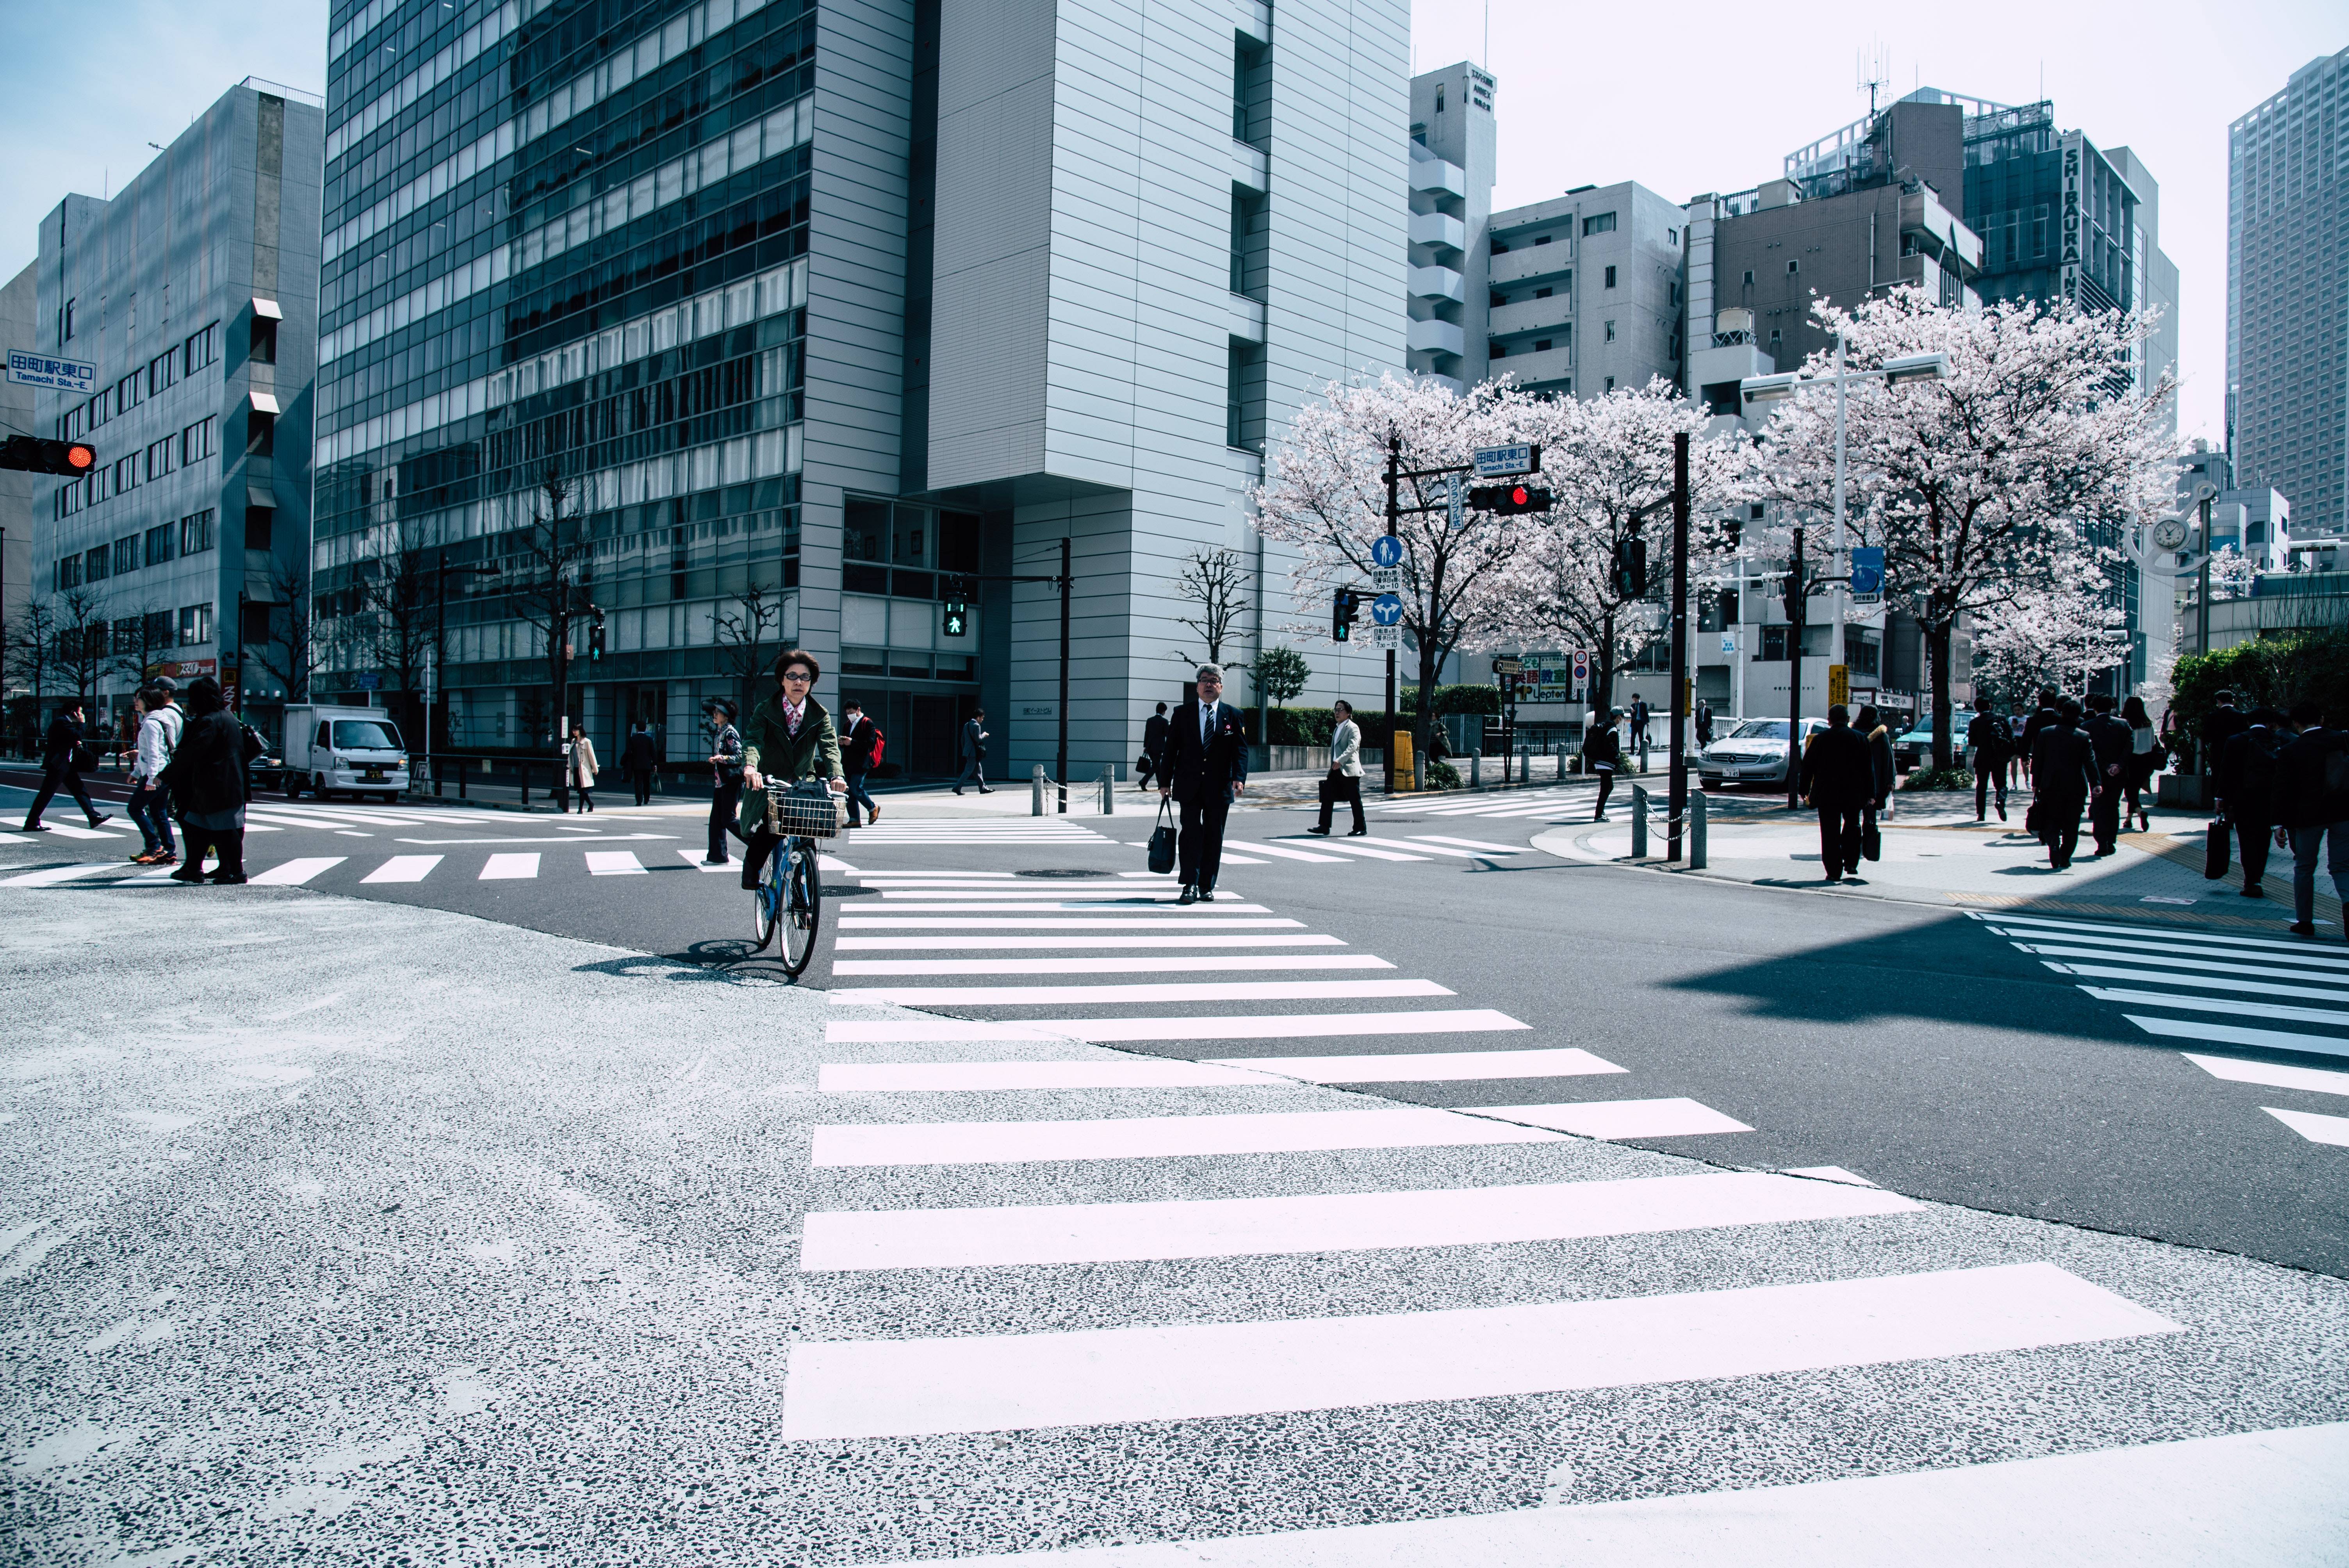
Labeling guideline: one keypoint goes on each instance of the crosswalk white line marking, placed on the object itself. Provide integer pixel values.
(1289, 854)
(1829, 1173)
(2196, 965)
(614, 863)
(1167, 991)
(1431, 1067)
(699, 863)
(1071, 893)
(1126, 922)
(294, 872)
(999, 1077)
(507, 868)
(1424, 848)
(1138, 906)
(403, 868)
(57, 875)
(1618, 1118)
(1231, 859)
(968, 1383)
(2230, 1035)
(593, 839)
(891, 876)
(67, 830)
(2196, 982)
(2332, 1130)
(1472, 844)
(1367, 852)
(1220, 964)
(2274, 1075)
(991, 943)
(2158, 934)
(1188, 1026)
(1156, 1136)
(1029, 1235)
(2230, 1005)
(2131, 948)
(824, 863)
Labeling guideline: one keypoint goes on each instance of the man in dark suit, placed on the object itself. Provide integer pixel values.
(1839, 779)
(1153, 741)
(2247, 786)
(2062, 776)
(2114, 745)
(1205, 767)
(61, 769)
(2221, 724)
(974, 753)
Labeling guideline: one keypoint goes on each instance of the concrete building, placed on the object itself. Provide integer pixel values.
(19, 311)
(2288, 293)
(194, 292)
(1452, 174)
(832, 300)
(1584, 290)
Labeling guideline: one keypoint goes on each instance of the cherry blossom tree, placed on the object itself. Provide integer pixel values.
(2057, 635)
(1326, 496)
(2032, 454)
(2233, 573)
(1608, 462)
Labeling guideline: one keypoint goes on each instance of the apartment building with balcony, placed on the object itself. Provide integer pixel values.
(1452, 156)
(1583, 293)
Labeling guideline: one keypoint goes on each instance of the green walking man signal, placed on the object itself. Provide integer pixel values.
(954, 620)
(1343, 608)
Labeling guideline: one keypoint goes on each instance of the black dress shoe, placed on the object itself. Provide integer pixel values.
(1188, 895)
(1324, 832)
(1357, 832)
(36, 828)
(1207, 896)
(101, 819)
(2303, 928)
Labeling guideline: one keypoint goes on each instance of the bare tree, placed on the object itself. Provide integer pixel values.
(1212, 580)
(81, 643)
(395, 594)
(30, 644)
(546, 580)
(754, 616)
(294, 651)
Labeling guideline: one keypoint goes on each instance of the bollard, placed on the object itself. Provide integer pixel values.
(525, 786)
(1562, 767)
(1696, 830)
(1638, 821)
(1524, 765)
(1109, 790)
(462, 772)
(1476, 769)
(1036, 782)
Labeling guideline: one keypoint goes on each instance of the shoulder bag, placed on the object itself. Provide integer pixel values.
(1162, 839)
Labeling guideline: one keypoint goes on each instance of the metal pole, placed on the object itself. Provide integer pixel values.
(1638, 821)
(2202, 589)
(1061, 765)
(1394, 513)
(1796, 605)
(1696, 832)
(1677, 792)
(1835, 633)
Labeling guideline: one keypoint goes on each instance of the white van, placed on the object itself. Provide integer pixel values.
(356, 750)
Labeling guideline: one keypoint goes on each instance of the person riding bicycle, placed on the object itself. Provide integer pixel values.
(793, 735)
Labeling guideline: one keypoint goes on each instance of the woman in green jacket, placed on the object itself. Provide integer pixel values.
(787, 738)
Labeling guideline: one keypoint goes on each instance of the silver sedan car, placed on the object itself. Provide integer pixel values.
(1753, 753)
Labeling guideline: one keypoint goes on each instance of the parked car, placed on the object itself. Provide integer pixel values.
(1914, 747)
(1754, 752)
(349, 750)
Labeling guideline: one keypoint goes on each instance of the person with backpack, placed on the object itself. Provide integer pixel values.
(158, 738)
(861, 743)
(2310, 805)
(1988, 739)
(1602, 753)
(2246, 773)
(208, 783)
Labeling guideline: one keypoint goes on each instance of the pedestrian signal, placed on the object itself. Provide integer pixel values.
(1631, 569)
(1343, 609)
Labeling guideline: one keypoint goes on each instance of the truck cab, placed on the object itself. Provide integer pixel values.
(343, 750)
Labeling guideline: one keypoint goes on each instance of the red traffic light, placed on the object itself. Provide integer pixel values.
(79, 458)
(38, 455)
(1509, 499)
(1517, 496)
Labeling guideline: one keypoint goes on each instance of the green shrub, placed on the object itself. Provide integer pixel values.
(1455, 700)
(2271, 672)
(1441, 775)
(1930, 777)
(1314, 726)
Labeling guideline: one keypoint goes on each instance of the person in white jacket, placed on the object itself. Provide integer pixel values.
(158, 738)
(1345, 779)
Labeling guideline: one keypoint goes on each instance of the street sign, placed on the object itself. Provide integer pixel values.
(1505, 666)
(1455, 498)
(1581, 675)
(1386, 551)
(1503, 462)
(29, 369)
(367, 680)
(1386, 610)
(1729, 643)
(1838, 684)
(1867, 573)
(1386, 639)
(1386, 579)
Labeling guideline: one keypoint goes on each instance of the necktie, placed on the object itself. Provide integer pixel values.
(1207, 723)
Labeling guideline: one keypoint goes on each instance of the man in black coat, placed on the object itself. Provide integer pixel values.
(1602, 753)
(2045, 714)
(2247, 782)
(1205, 767)
(638, 760)
(2311, 807)
(974, 753)
(2221, 724)
(1153, 741)
(1988, 740)
(2114, 745)
(61, 768)
(1839, 779)
(2063, 777)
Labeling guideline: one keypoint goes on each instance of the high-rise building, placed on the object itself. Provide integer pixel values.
(193, 291)
(819, 304)
(2288, 295)
(1452, 173)
(19, 313)
(1584, 290)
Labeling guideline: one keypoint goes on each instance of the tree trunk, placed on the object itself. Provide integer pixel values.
(1937, 659)
(1430, 662)
(1603, 669)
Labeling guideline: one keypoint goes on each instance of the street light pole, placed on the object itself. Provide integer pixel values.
(1677, 796)
(1834, 625)
(1797, 603)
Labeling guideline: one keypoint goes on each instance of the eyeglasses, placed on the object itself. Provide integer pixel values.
(800, 676)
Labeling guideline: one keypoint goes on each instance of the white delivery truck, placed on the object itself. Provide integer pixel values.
(350, 750)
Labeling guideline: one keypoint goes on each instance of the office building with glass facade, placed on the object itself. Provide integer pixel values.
(2288, 295)
(805, 309)
(194, 292)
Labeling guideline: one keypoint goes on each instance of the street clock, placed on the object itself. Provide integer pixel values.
(2169, 533)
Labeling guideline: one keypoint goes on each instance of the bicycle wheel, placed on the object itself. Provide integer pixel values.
(767, 903)
(803, 904)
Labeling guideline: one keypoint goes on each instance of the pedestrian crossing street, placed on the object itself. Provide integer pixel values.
(1004, 1115)
(2212, 988)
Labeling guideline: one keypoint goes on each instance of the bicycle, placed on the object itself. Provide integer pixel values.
(790, 898)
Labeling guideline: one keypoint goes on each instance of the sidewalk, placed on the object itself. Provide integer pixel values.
(1935, 852)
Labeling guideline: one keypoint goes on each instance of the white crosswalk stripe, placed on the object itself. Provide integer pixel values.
(615, 863)
(500, 868)
(294, 872)
(403, 868)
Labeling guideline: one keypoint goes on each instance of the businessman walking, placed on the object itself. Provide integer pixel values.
(1205, 767)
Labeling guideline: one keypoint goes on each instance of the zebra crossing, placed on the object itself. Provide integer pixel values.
(1551, 802)
(966, 1148)
(2193, 984)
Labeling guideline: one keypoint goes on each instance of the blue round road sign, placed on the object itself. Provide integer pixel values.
(1386, 610)
(1386, 551)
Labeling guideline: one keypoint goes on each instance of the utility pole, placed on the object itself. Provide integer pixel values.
(1394, 513)
(2202, 589)
(1796, 590)
(1061, 764)
(1678, 795)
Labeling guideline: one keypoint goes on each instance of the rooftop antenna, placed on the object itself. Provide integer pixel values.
(1875, 72)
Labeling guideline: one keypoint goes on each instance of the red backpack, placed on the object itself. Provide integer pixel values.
(880, 743)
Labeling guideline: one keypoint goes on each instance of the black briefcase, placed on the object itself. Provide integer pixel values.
(1871, 842)
(2216, 849)
(1162, 840)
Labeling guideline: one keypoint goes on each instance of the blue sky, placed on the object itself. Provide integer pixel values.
(1706, 97)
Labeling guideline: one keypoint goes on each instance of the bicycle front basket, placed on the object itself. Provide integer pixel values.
(807, 813)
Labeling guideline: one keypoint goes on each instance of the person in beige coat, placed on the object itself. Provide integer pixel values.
(1345, 780)
(579, 766)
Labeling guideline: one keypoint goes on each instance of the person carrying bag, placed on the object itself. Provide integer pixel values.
(1344, 780)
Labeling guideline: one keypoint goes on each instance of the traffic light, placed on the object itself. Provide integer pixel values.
(1631, 569)
(954, 620)
(33, 455)
(1343, 608)
(1507, 500)
(595, 634)
(1795, 598)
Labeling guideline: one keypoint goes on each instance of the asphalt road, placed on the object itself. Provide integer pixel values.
(1921, 1049)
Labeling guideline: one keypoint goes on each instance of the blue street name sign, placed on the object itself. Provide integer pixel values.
(1386, 550)
(1866, 569)
(1387, 610)
(28, 369)
(367, 680)
(1501, 462)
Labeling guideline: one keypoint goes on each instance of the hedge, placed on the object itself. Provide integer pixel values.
(2268, 672)
(1312, 725)
(1455, 700)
